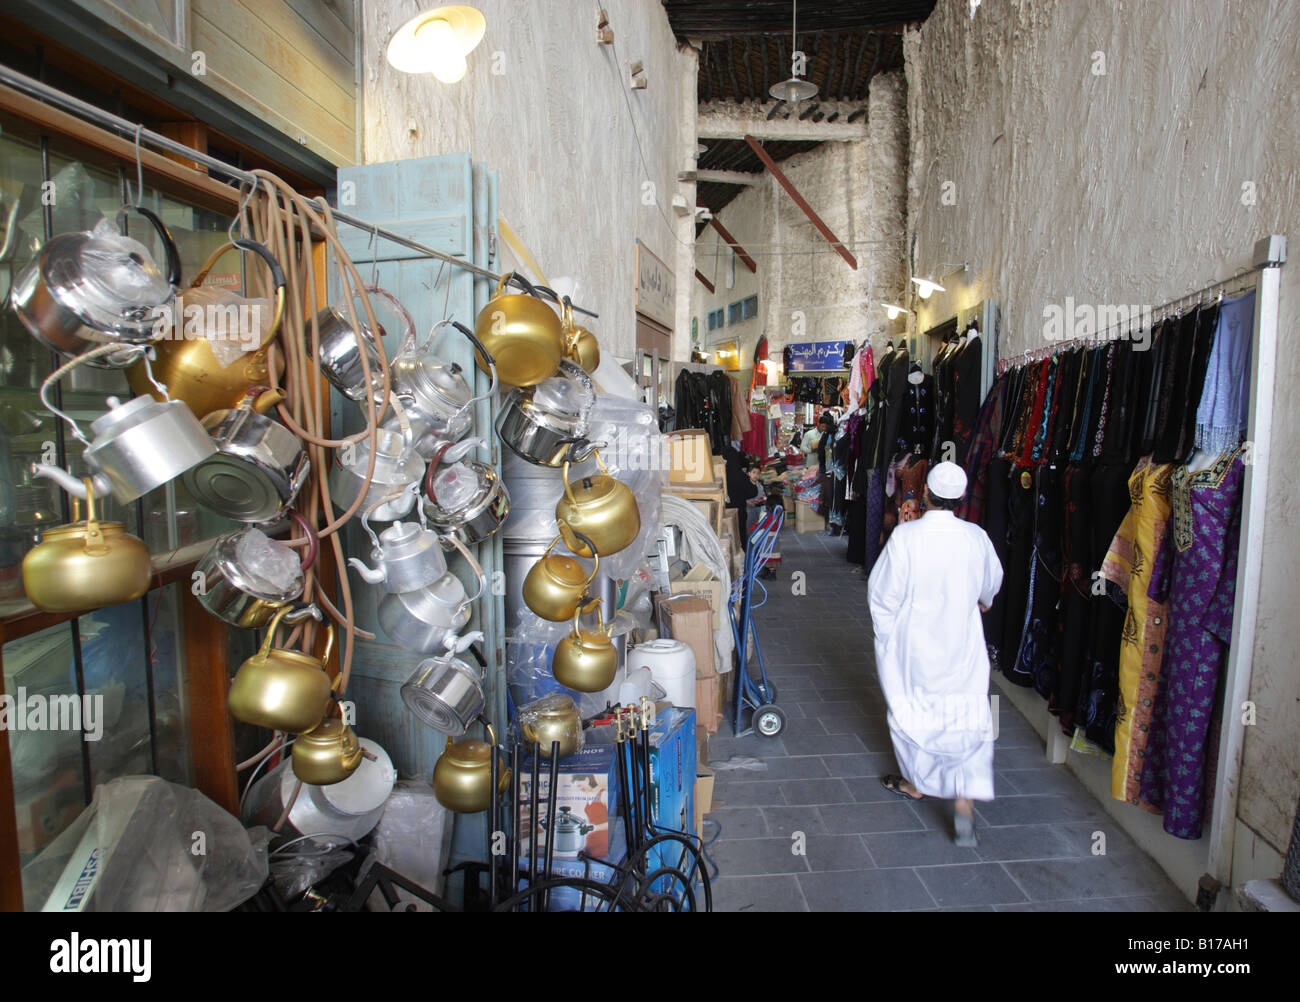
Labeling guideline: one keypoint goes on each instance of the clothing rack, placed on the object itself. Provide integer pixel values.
(1158, 314)
(139, 134)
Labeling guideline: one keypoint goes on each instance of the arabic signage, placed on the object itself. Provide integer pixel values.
(656, 289)
(817, 356)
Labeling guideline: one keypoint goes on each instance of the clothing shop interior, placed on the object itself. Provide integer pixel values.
(649, 455)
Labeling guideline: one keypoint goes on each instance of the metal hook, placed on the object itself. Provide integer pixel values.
(243, 206)
(374, 257)
(139, 172)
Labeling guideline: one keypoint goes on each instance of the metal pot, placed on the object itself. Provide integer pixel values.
(425, 619)
(601, 508)
(467, 500)
(556, 585)
(568, 834)
(462, 777)
(70, 302)
(392, 489)
(550, 719)
(586, 660)
(407, 556)
(236, 594)
(445, 692)
(86, 565)
(189, 368)
(546, 424)
(327, 754)
(280, 689)
(259, 466)
(522, 333)
(341, 349)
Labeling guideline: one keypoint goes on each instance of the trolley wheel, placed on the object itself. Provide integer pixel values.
(768, 690)
(768, 720)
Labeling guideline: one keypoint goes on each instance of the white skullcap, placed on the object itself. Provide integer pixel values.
(947, 480)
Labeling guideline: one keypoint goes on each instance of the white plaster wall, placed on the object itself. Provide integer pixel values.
(1126, 188)
(554, 121)
(858, 189)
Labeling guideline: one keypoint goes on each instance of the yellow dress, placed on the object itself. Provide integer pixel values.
(1128, 568)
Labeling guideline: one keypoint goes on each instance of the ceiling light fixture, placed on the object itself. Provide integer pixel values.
(925, 288)
(795, 89)
(895, 311)
(437, 42)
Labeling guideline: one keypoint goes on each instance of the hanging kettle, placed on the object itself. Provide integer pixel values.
(423, 620)
(466, 500)
(547, 423)
(280, 689)
(139, 445)
(601, 508)
(394, 483)
(189, 367)
(444, 692)
(580, 344)
(437, 398)
(586, 660)
(341, 347)
(550, 719)
(238, 589)
(462, 776)
(521, 332)
(406, 556)
(95, 287)
(86, 565)
(259, 465)
(556, 585)
(327, 754)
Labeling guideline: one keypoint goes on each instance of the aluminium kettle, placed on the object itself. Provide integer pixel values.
(406, 556)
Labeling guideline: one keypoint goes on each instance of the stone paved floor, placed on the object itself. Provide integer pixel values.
(865, 848)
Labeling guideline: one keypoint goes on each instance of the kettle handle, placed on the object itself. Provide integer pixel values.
(289, 614)
(476, 567)
(487, 358)
(408, 322)
(94, 543)
(82, 359)
(600, 616)
(277, 277)
(313, 541)
(431, 473)
(568, 487)
(595, 567)
(169, 245)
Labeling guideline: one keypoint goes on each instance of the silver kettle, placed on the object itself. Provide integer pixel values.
(467, 500)
(392, 489)
(423, 620)
(406, 556)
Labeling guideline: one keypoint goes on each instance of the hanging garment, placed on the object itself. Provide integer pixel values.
(875, 517)
(1196, 572)
(997, 512)
(909, 489)
(719, 426)
(967, 369)
(740, 423)
(1224, 408)
(895, 379)
(983, 442)
(1037, 657)
(1174, 427)
(1207, 323)
(1128, 568)
(1076, 593)
(925, 593)
(1019, 567)
(917, 429)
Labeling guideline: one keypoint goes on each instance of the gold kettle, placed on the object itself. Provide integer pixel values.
(462, 776)
(86, 565)
(586, 660)
(522, 334)
(602, 509)
(280, 689)
(580, 344)
(552, 718)
(556, 585)
(329, 753)
(188, 367)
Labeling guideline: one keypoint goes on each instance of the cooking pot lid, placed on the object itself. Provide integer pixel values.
(429, 378)
(559, 397)
(113, 272)
(448, 590)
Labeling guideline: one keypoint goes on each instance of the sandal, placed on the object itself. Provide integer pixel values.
(964, 830)
(894, 784)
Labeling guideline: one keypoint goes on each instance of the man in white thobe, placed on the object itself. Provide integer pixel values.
(926, 592)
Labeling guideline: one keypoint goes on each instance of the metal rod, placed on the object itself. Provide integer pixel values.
(515, 829)
(493, 808)
(52, 95)
(624, 804)
(534, 820)
(551, 797)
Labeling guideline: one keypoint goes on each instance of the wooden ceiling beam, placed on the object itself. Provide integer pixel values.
(704, 281)
(800, 201)
(733, 244)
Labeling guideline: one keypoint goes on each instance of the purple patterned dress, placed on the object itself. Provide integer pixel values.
(1196, 572)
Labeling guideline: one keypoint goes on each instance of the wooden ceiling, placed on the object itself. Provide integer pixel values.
(746, 47)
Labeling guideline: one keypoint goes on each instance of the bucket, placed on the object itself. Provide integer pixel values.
(672, 667)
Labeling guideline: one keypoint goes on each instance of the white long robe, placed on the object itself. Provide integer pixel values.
(925, 592)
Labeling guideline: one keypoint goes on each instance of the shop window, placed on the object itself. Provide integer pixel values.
(749, 308)
(734, 313)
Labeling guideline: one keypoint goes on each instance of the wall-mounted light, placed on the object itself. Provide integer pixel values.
(437, 42)
(895, 311)
(925, 288)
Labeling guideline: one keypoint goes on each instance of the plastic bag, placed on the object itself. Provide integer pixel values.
(304, 864)
(272, 564)
(232, 325)
(145, 844)
(557, 702)
(414, 839)
(119, 272)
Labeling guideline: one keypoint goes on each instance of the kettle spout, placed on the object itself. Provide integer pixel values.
(369, 575)
(69, 483)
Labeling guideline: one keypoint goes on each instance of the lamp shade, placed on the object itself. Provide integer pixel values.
(437, 42)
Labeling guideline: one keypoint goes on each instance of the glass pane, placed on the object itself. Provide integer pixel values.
(113, 669)
(26, 504)
(49, 792)
(170, 686)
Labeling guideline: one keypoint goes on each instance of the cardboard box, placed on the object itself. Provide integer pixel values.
(711, 591)
(709, 498)
(731, 524)
(689, 618)
(690, 458)
(806, 518)
(703, 795)
(720, 473)
(701, 745)
(586, 789)
(708, 702)
(673, 769)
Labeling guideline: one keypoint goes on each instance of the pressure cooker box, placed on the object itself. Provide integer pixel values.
(586, 802)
